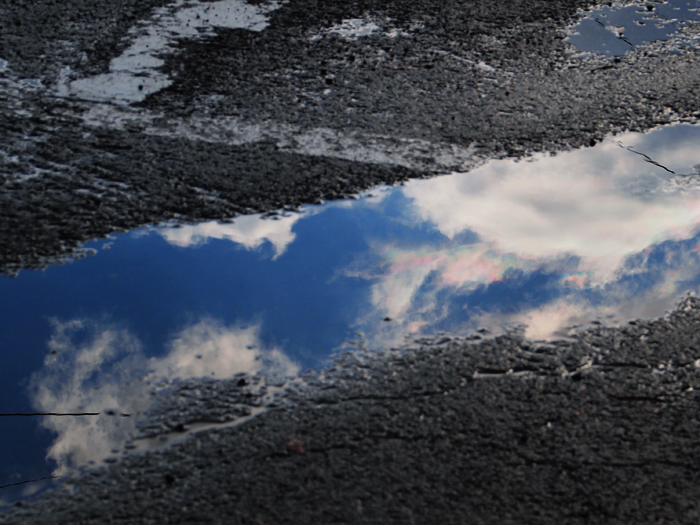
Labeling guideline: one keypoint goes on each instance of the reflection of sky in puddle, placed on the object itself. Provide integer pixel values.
(617, 29)
(590, 234)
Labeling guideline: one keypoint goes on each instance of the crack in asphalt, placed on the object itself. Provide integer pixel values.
(28, 481)
(647, 158)
(26, 414)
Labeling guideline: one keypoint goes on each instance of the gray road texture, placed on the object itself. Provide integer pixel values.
(502, 430)
(260, 121)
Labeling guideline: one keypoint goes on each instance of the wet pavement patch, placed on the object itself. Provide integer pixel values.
(542, 246)
(616, 29)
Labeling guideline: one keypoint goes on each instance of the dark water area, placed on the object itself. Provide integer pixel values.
(543, 245)
(615, 30)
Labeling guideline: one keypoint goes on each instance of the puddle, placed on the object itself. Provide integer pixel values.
(614, 30)
(600, 234)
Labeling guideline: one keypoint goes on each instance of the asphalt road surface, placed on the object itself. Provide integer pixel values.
(288, 105)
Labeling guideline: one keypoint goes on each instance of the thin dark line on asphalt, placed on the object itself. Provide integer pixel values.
(30, 414)
(27, 481)
(620, 37)
(20, 414)
(647, 158)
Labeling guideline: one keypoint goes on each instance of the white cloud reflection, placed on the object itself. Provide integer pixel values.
(209, 348)
(97, 374)
(559, 317)
(97, 367)
(251, 231)
(579, 215)
(572, 203)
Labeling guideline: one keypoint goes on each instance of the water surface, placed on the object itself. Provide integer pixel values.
(614, 30)
(544, 245)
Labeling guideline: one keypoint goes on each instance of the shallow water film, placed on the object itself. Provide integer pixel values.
(543, 245)
(616, 29)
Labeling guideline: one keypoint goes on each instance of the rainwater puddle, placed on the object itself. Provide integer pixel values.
(614, 30)
(600, 234)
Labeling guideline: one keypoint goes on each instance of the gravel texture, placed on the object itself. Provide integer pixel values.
(262, 120)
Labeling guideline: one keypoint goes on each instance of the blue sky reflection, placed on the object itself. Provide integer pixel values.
(548, 242)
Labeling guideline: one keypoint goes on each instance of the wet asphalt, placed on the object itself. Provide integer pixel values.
(493, 80)
(599, 429)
